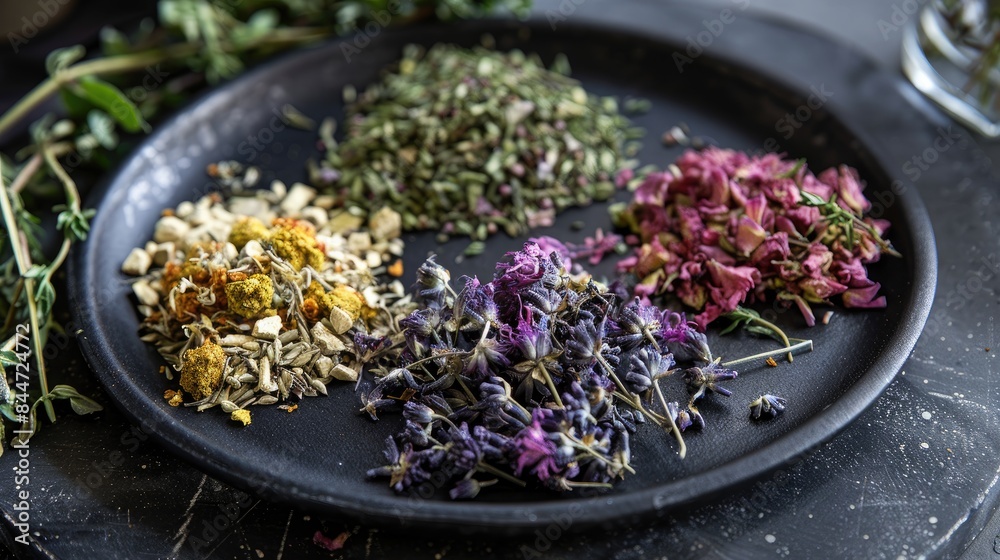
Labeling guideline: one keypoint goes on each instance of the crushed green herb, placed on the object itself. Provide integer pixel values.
(474, 141)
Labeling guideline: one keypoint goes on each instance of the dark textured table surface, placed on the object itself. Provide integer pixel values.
(915, 476)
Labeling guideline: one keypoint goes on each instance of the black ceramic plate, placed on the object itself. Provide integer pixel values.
(316, 458)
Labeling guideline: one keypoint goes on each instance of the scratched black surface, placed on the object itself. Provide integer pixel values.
(914, 476)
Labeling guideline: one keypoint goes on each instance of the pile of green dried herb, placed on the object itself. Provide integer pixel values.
(473, 141)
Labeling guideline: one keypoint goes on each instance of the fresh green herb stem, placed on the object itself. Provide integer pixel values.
(138, 61)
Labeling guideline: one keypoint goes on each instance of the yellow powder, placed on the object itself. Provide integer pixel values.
(297, 244)
(201, 370)
(241, 415)
(344, 297)
(174, 398)
(248, 229)
(250, 297)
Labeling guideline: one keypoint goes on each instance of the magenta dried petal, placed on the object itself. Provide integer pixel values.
(805, 218)
(849, 188)
(755, 209)
(852, 273)
(807, 312)
(749, 235)
(732, 283)
(881, 226)
(549, 245)
(774, 248)
(816, 264)
(819, 289)
(716, 185)
(864, 298)
(783, 224)
(653, 189)
(690, 225)
(713, 253)
(623, 177)
(782, 191)
(652, 219)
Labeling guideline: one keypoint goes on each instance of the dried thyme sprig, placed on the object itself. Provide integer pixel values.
(473, 141)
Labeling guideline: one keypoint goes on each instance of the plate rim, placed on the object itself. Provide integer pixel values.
(523, 515)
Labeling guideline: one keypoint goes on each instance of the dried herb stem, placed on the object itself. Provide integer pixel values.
(23, 260)
(673, 425)
(790, 349)
(488, 468)
(551, 385)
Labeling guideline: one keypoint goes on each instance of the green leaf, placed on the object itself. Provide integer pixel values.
(74, 224)
(794, 170)
(40, 129)
(7, 358)
(103, 128)
(260, 24)
(762, 331)
(7, 411)
(811, 199)
(61, 59)
(45, 297)
(36, 271)
(80, 404)
(76, 106)
(113, 102)
(113, 42)
(63, 392)
(732, 327)
(83, 405)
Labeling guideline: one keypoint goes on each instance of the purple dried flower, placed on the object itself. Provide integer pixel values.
(407, 467)
(525, 267)
(487, 356)
(646, 366)
(465, 489)
(585, 340)
(633, 323)
(463, 453)
(432, 283)
(534, 451)
(705, 379)
(418, 412)
(767, 406)
(683, 339)
(368, 347)
(475, 306)
(374, 402)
